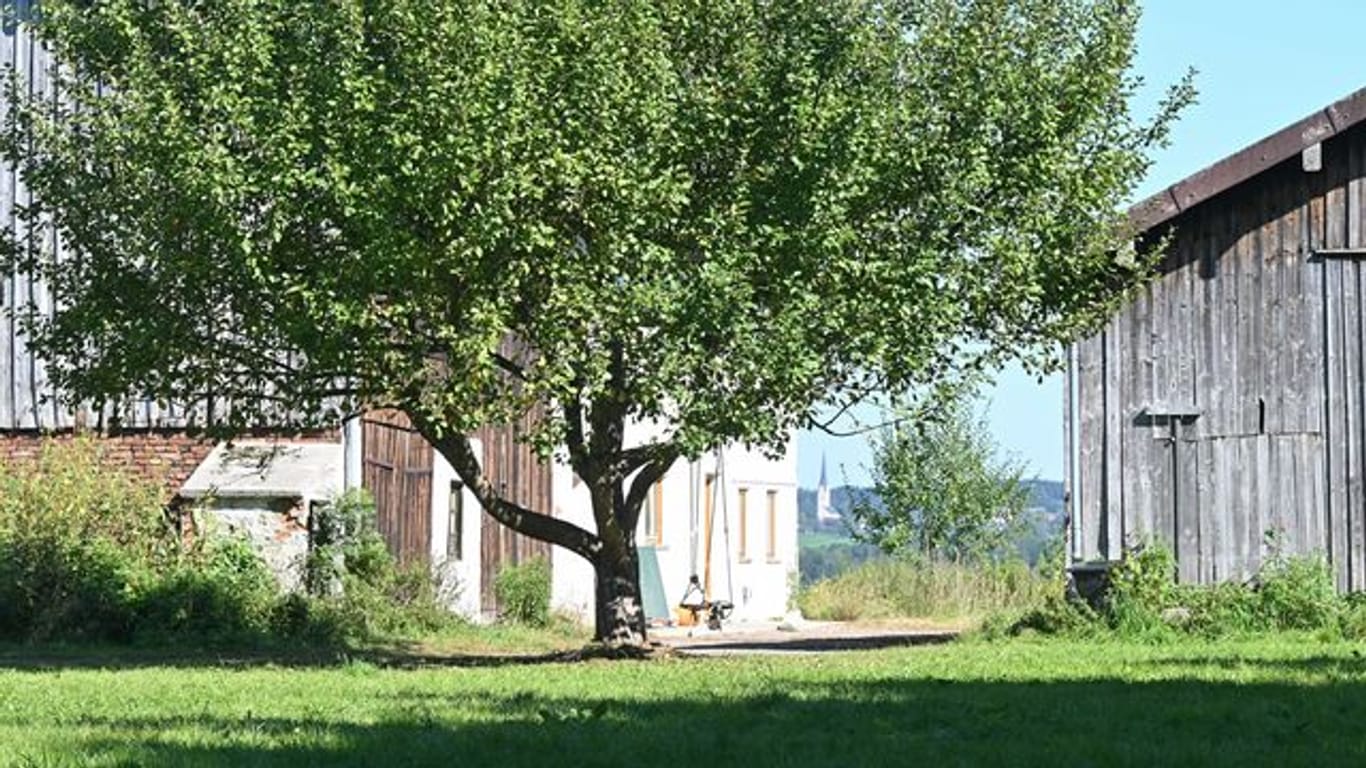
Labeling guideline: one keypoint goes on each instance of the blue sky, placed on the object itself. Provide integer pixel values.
(1261, 64)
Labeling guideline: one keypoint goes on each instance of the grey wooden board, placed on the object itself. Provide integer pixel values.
(1092, 436)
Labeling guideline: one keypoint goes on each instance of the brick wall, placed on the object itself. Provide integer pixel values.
(167, 457)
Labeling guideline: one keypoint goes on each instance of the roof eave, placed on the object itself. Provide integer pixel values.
(1249, 162)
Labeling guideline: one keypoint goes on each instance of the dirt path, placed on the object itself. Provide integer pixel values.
(806, 637)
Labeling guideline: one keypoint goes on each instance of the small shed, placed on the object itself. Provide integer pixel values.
(266, 491)
(1222, 412)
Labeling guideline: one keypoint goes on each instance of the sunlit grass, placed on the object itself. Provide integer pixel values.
(1280, 700)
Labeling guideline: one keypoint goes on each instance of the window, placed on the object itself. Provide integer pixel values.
(744, 525)
(455, 524)
(652, 515)
(771, 551)
(659, 511)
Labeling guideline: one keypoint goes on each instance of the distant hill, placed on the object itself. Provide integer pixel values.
(820, 560)
(1046, 495)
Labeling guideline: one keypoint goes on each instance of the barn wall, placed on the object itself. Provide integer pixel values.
(1223, 407)
(28, 400)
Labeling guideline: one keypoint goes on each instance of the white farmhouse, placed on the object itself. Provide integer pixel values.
(730, 518)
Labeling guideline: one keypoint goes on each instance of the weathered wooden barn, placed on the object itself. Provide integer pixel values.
(1222, 412)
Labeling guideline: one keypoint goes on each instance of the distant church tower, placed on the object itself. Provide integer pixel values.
(824, 513)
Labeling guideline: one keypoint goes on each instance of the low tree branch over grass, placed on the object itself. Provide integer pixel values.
(710, 216)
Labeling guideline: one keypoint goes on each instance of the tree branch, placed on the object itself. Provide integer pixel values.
(509, 367)
(574, 439)
(643, 481)
(458, 451)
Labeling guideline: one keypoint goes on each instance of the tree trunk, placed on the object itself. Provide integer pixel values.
(620, 609)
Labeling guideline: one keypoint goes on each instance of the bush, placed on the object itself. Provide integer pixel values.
(1298, 593)
(222, 593)
(523, 592)
(363, 592)
(914, 588)
(55, 589)
(1144, 601)
(88, 554)
(77, 544)
(1142, 591)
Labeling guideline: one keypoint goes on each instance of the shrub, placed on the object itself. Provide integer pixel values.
(1142, 590)
(1144, 601)
(1298, 593)
(523, 592)
(1220, 609)
(1352, 616)
(220, 593)
(88, 554)
(1058, 614)
(77, 544)
(364, 593)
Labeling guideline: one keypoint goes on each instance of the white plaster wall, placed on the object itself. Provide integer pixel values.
(571, 581)
(459, 579)
(759, 586)
(281, 537)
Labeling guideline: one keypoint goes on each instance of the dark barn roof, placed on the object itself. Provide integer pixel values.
(1249, 162)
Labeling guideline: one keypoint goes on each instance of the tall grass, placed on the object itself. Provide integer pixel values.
(891, 589)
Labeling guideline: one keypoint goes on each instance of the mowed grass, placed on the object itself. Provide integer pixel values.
(1282, 701)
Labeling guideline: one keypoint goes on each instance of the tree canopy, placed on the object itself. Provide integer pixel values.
(941, 489)
(719, 216)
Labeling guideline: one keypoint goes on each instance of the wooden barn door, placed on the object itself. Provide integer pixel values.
(398, 473)
(519, 474)
(1345, 419)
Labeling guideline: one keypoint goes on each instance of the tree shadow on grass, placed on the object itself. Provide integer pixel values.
(883, 722)
(1317, 665)
(50, 659)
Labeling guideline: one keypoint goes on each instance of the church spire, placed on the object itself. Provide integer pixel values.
(825, 513)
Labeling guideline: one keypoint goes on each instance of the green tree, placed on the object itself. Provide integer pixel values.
(710, 217)
(941, 490)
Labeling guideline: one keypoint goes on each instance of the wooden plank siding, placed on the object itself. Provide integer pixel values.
(29, 402)
(1259, 331)
(398, 469)
(523, 478)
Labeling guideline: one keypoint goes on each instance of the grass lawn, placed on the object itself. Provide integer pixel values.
(1279, 701)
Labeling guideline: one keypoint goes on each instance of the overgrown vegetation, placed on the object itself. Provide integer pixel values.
(1143, 601)
(523, 591)
(361, 588)
(919, 588)
(823, 556)
(89, 554)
